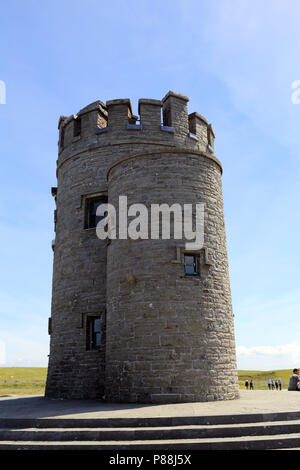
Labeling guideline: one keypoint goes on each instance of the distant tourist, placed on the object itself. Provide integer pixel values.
(251, 385)
(273, 386)
(269, 384)
(294, 379)
(246, 384)
(279, 384)
(276, 384)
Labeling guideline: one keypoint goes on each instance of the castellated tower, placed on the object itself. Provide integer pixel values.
(139, 320)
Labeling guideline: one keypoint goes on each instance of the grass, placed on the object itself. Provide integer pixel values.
(31, 380)
(260, 378)
(22, 380)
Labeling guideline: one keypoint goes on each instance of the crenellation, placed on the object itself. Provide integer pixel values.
(95, 106)
(61, 121)
(210, 138)
(150, 113)
(67, 132)
(175, 113)
(82, 125)
(165, 120)
(93, 116)
(198, 126)
(119, 112)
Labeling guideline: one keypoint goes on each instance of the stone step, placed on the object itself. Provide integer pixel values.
(159, 421)
(241, 443)
(217, 432)
(150, 433)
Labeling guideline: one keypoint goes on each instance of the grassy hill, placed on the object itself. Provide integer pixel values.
(260, 378)
(31, 380)
(22, 380)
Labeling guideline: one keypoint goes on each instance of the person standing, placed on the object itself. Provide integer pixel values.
(279, 384)
(269, 384)
(251, 385)
(246, 384)
(294, 378)
(272, 383)
(276, 384)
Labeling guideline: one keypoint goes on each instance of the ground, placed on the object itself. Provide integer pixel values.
(250, 402)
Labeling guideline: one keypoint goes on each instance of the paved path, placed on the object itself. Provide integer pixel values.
(257, 401)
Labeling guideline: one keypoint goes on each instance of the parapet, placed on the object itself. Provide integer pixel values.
(165, 119)
(119, 113)
(82, 124)
(150, 113)
(175, 112)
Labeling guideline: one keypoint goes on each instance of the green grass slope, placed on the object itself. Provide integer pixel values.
(260, 378)
(22, 380)
(31, 380)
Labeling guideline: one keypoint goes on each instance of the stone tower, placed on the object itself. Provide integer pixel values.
(139, 320)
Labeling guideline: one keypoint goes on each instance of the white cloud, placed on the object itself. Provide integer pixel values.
(20, 351)
(284, 356)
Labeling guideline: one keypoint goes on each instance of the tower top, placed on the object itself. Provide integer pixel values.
(167, 120)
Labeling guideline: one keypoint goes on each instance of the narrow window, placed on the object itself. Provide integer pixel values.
(166, 116)
(62, 138)
(55, 219)
(92, 204)
(77, 127)
(94, 333)
(49, 326)
(191, 265)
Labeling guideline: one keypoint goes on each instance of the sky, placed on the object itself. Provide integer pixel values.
(238, 61)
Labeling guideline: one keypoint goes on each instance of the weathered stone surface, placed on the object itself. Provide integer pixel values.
(166, 337)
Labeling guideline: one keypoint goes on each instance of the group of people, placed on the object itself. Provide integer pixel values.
(294, 383)
(274, 384)
(249, 384)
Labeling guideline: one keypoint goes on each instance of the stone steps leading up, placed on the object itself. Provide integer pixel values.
(158, 421)
(226, 432)
(148, 434)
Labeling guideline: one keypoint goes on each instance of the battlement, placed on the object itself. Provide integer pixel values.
(160, 119)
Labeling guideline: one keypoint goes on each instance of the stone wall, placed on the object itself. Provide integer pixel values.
(170, 337)
(104, 149)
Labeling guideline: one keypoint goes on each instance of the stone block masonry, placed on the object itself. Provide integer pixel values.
(164, 336)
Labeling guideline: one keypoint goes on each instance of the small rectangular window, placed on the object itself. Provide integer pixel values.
(91, 217)
(77, 127)
(94, 333)
(191, 265)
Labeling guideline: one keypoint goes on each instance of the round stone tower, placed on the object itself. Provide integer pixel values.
(149, 319)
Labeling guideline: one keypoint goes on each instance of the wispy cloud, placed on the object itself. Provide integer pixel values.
(21, 351)
(284, 356)
(23, 334)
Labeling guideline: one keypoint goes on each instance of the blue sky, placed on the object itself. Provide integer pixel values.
(236, 60)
